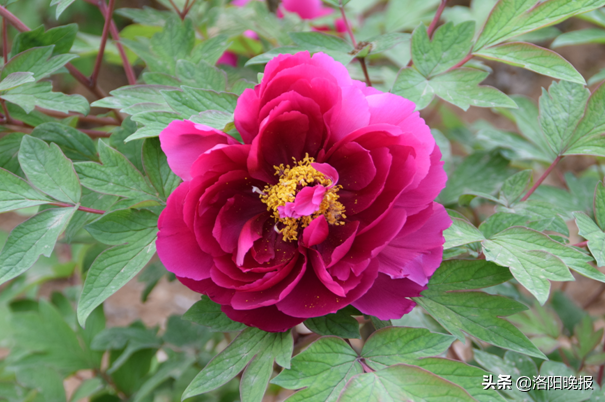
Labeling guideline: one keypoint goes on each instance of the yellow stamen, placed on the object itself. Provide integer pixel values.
(291, 181)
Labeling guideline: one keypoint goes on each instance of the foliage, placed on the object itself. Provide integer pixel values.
(85, 178)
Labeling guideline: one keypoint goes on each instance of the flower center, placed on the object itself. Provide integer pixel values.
(302, 195)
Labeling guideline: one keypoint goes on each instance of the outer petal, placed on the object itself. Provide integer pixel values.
(268, 318)
(417, 250)
(308, 9)
(184, 141)
(387, 299)
(176, 244)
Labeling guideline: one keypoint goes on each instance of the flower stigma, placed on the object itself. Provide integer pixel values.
(289, 213)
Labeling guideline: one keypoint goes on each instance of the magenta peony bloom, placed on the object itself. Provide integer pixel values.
(306, 9)
(328, 202)
(228, 58)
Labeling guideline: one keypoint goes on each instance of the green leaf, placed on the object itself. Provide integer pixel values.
(479, 172)
(116, 176)
(172, 368)
(526, 116)
(561, 109)
(9, 153)
(513, 364)
(192, 101)
(89, 199)
(388, 41)
(595, 236)
(157, 169)
(394, 345)
(413, 86)
(61, 6)
(514, 187)
(533, 58)
(461, 88)
(145, 15)
(15, 193)
(588, 138)
(332, 45)
(124, 226)
(201, 75)
(402, 383)
(511, 18)
(478, 315)
(49, 170)
(598, 77)
(461, 232)
(322, 370)
(214, 118)
(581, 37)
(38, 61)
(236, 356)
(339, 324)
(34, 237)
(130, 339)
(550, 369)
(599, 205)
(153, 122)
(30, 95)
(450, 44)
(268, 56)
(114, 267)
(405, 14)
(256, 377)
(208, 313)
(131, 95)
(76, 145)
(462, 375)
(468, 274)
(13, 80)
(211, 50)
(62, 37)
(87, 388)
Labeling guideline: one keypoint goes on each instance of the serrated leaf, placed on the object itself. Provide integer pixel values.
(413, 86)
(449, 45)
(338, 324)
(462, 375)
(394, 345)
(561, 109)
(500, 221)
(515, 186)
(208, 313)
(211, 50)
(511, 18)
(322, 369)
(468, 274)
(114, 267)
(157, 169)
(595, 236)
(388, 41)
(30, 95)
(478, 315)
(201, 75)
(131, 95)
(588, 138)
(461, 232)
(479, 172)
(116, 176)
(227, 364)
(461, 88)
(145, 15)
(214, 119)
(38, 61)
(13, 80)
(533, 58)
(34, 237)
(526, 116)
(16, 193)
(402, 383)
(405, 14)
(9, 153)
(62, 37)
(49, 170)
(76, 145)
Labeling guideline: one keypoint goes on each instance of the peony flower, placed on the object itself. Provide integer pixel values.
(228, 58)
(327, 203)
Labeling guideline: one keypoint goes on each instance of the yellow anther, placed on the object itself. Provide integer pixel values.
(291, 181)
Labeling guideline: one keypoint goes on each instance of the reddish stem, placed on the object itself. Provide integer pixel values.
(176, 9)
(4, 41)
(105, 121)
(541, 179)
(581, 244)
(362, 61)
(436, 18)
(344, 18)
(104, 35)
(366, 368)
(80, 208)
(113, 29)
(188, 8)
(461, 62)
